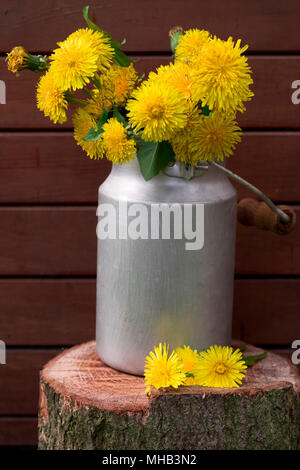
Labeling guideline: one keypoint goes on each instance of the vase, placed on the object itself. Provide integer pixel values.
(155, 287)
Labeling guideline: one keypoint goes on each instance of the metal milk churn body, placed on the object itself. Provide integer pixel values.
(156, 290)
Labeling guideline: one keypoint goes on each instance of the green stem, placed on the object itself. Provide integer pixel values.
(96, 82)
(87, 93)
(37, 63)
(71, 99)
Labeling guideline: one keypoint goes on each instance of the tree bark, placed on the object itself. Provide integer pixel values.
(84, 404)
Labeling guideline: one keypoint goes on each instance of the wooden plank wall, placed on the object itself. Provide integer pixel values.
(48, 188)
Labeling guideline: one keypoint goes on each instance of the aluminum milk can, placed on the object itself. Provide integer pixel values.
(152, 290)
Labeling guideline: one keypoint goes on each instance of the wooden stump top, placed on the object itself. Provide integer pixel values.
(79, 375)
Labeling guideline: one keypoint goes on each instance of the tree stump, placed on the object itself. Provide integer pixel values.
(85, 404)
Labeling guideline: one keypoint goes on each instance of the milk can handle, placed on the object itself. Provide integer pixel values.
(258, 214)
(264, 215)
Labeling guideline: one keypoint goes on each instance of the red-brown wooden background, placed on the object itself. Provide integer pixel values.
(48, 188)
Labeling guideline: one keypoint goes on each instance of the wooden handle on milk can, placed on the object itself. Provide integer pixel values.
(258, 214)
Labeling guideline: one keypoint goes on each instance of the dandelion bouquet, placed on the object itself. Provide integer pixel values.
(185, 110)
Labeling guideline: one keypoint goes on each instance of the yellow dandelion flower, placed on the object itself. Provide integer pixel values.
(99, 42)
(221, 367)
(215, 136)
(118, 148)
(102, 97)
(158, 110)
(17, 59)
(83, 121)
(177, 75)
(190, 359)
(183, 140)
(51, 99)
(124, 80)
(190, 45)
(162, 371)
(79, 57)
(222, 77)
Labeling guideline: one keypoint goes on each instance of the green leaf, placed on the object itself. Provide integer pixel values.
(242, 347)
(95, 134)
(85, 13)
(206, 111)
(251, 360)
(174, 40)
(119, 116)
(96, 82)
(120, 58)
(153, 156)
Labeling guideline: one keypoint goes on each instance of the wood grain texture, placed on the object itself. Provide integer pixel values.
(48, 240)
(81, 377)
(51, 311)
(39, 25)
(44, 312)
(262, 252)
(62, 241)
(49, 167)
(21, 431)
(19, 379)
(85, 404)
(271, 106)
(266, 311)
